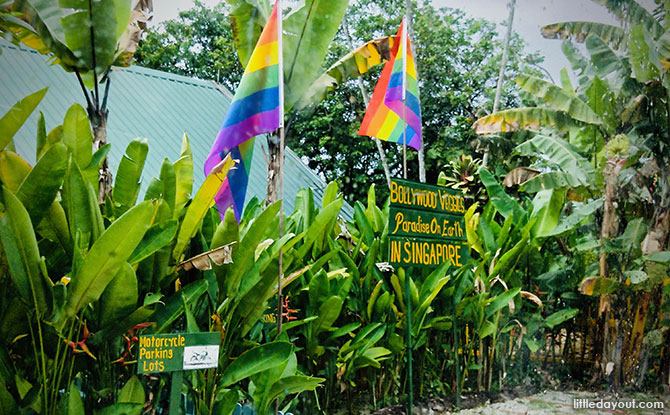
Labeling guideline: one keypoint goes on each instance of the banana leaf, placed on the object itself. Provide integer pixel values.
(578, 30)
(524, 118)
(559, 99)
(17, 116)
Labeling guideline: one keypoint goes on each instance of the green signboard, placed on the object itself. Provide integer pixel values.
(411, 222)
(426, 225)
(159, 353)
(412, 195)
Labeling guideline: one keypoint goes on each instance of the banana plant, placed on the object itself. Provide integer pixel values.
(86, 38)
(607, 160)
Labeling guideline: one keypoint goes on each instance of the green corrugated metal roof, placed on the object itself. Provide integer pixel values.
(144, 103)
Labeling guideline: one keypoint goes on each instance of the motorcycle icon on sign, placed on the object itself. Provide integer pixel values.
(201, 357)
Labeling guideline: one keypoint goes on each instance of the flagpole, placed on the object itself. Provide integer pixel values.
(280, 57)
(404, 94)
(408, 317)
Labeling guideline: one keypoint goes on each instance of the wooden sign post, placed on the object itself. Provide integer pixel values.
(426, 229)
(162, 353)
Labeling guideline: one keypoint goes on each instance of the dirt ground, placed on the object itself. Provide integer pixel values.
(548, 402)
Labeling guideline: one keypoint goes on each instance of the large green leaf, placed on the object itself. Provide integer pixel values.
(86, 24)
(199, 207)
(128, 176)
(17, 30)
(132, 391)
(308, 33)
(501, 300)
(12, 121)
(120, 297)
(602, 100)
(562, 154)
(318, 226)
(81, 205)
(253, 301)
(663, 46)
(254, 361)
(157, 237)
(174, 306)
(578, 62)
(45, 16)
(75, 406)
(13, 170)
(503, 202)
(243, 258)
(606, 62)
(431, 287)
(560, 316)
(633, 13)
(524, 118)
(614, 35)
(114, 330)
(107, 254)
(547, 206)
(40, 187)
(328, 313)
(351, 65)
(293, 384)
(168, 178)
(559, 98)
(643, 56)
(578, 215)
(23, 258)
(550, 180)
(183, 169)
(77, 135)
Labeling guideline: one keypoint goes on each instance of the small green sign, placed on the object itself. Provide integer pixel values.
(160, 353)
(419, 223)
(413, 195)
(425, 252)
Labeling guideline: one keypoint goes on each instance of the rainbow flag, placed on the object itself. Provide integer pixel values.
(257, 108)
(384, 116)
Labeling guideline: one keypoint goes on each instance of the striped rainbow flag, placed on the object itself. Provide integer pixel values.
(256, 108)
(384, 116)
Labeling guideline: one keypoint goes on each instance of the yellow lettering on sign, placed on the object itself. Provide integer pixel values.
(395, 251)
(426, 253)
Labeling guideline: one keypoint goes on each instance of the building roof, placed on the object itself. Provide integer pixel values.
(143, 103)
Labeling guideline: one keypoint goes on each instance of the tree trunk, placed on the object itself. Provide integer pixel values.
(609, 229)
(274, 169)
(98, 120)
(501, 73)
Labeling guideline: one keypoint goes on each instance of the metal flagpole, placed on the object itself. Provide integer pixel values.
(404, 88)
(408, 301)
(280, 58)
(281, 161)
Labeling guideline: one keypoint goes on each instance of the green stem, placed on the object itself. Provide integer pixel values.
(60, 365)
(40, 374)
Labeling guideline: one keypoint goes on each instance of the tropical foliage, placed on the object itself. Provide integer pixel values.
(568, 237)
(604, 143)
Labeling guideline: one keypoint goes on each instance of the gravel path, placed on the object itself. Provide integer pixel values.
(559, 403)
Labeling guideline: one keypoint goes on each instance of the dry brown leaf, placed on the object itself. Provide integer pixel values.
(532, 297)
(219, 256)
(520, 175)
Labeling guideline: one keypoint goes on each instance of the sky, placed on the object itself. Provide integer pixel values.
(529, 16)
